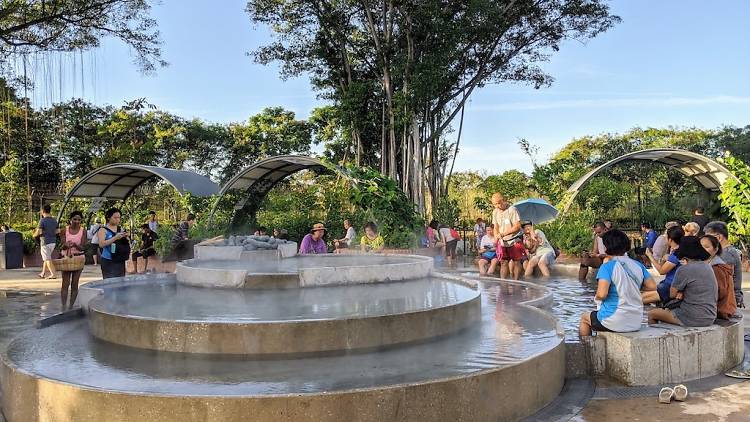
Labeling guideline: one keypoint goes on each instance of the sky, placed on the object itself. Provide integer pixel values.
(668, 63)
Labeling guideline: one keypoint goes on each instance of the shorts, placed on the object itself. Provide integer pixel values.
(488, 256)
(111, 269)
(663, 290)
(450, 248)
(515, 252)
(46, 251)
(596, 325)
(548, 257)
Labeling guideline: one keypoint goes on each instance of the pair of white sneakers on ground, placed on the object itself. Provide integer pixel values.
(678, 393)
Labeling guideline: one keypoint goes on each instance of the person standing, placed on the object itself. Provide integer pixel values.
(450, 238)
(94, 239)
(346, 241)
(699, 218)
(46, 231)
(114, 245)
(729, 254)
(153, 224)
(507, 224)
(314, 243)
(73, 241)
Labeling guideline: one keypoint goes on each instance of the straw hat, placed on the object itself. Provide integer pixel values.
(318, 226)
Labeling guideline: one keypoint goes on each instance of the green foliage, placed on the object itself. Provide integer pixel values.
(735, 198)
(387, 205)
(75, 25)
(163, 245)
(447, 212)
(572, 233)
(399, 73)
(513, 184)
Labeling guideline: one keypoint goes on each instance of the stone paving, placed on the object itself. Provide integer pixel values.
(729, 403)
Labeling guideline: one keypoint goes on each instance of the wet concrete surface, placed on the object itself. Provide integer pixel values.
(507, 334)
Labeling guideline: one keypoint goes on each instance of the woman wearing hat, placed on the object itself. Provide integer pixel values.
(313, 242)
(694, 286)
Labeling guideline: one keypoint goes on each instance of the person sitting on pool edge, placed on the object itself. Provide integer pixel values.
(694, 286)
(314, 243)
(543, 255)
(488, 252)
(618, 292)
(668, 267)
(372, 241)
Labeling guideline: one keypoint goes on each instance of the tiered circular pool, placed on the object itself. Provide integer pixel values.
(432, 348)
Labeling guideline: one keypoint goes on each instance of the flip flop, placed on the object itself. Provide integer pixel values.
(665, 395)
(680, 392)
(744, 375)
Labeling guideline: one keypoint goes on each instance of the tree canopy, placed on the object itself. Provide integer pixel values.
(28, 26)
(399, 73)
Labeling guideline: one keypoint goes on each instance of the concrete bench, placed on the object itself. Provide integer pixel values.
(664, 353)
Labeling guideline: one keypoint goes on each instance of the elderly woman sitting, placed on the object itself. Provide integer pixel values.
(542, 254)
(694, 288)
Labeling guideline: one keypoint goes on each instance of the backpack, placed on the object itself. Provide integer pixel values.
(122, 247)
(455, 235)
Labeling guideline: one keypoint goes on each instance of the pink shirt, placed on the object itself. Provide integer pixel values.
(75, 238)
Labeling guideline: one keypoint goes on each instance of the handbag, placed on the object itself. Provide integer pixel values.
(69, 262)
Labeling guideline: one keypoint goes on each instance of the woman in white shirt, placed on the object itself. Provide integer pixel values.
(544, 254)
(488, 252)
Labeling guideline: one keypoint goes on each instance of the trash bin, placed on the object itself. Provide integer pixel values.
(11, 250)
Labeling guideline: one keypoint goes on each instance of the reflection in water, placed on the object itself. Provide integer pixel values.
(174, 301)
(506, 335)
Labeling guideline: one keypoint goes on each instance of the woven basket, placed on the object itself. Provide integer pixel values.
(70, 263)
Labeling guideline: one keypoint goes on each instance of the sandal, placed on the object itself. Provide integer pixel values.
(745, 375)
(665, 395)
(680, 392)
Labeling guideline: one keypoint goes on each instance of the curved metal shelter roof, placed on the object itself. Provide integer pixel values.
(709, 173)
(255, 181)
(119, 181)
(260, 177)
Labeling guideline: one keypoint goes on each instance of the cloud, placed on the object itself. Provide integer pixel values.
(613, 103)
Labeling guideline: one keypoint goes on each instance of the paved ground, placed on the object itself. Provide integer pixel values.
(27, 279)
(730, 403)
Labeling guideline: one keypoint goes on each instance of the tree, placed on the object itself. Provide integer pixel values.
(513, 184)
(400, 73)
(28, 26)
(273, 131)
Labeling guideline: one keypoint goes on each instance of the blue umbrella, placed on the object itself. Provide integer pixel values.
(536, 210)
